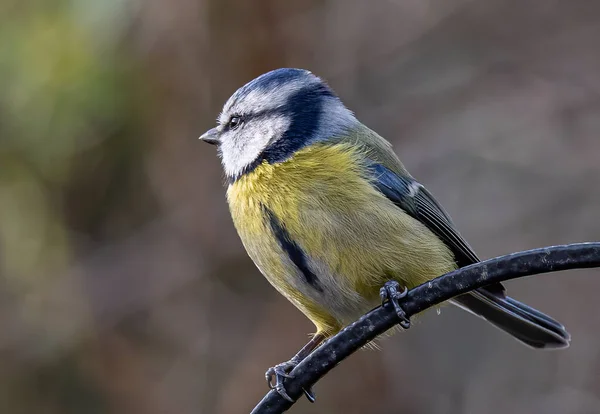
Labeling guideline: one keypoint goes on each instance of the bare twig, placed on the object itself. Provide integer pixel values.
(379, 320)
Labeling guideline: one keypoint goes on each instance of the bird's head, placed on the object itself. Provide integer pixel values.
(275, 115)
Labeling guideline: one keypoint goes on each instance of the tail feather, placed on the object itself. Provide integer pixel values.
(526, 324)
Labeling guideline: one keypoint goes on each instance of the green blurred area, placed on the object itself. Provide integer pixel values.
(123, 286)
(71, 119)
(71, 156)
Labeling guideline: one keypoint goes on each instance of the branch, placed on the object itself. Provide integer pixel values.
(353, 337)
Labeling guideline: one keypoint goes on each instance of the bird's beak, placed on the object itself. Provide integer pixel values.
(211, 137)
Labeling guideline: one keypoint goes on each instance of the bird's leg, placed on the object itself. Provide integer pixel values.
(391, 292)
(282, 371)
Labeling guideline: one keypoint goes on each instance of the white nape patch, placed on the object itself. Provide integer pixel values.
(335, 119)
(241, 148)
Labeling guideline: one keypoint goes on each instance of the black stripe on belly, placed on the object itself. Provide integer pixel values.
(295, 253)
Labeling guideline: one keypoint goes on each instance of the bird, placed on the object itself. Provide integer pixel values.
(332, 218)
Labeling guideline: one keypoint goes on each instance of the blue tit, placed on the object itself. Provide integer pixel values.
(329, 214)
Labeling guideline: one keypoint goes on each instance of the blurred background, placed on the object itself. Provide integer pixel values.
(123, 285)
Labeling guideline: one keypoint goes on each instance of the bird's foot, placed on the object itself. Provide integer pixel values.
(280, 372)
(391, 292)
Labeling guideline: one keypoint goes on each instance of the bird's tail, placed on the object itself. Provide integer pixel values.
(526, 324)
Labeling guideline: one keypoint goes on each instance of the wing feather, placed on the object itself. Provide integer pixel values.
(419, 203)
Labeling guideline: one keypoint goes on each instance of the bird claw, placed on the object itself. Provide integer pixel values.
(310, 394)
(280, 372)
(391, 292)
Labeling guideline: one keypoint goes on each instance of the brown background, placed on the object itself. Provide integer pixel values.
(123, 286)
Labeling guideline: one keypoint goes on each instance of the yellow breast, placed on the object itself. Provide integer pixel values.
(355, 238)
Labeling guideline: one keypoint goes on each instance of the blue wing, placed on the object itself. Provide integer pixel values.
(420, 204)
(491, 303)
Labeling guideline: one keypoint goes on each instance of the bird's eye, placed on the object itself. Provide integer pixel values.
(234, 122)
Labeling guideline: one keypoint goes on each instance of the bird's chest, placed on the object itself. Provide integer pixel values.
(267, 214)
(260, 208)
(293, 224)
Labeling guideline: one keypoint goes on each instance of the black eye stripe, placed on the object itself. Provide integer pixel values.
(303, 108)
(240, 119)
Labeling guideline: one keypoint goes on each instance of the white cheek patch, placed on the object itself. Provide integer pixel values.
(241, 148)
